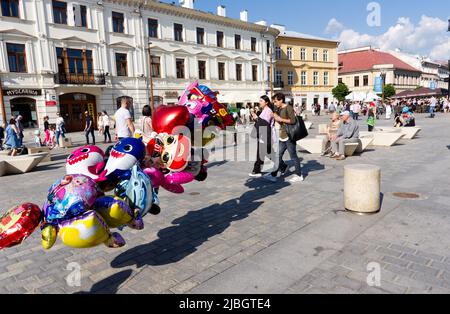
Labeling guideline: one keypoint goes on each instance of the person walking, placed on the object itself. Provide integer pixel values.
(284, 115)
(264, 125)
(46, 131)
(60, 129)
(146, 124)
(433, 103)
(2, 136)
(388, 111)
(106, 126)
(356, 111)
(124, 125)
(12, 137)
(20, 129)
(89, 128)
(348, 133)
(371, 120)
(100, 126)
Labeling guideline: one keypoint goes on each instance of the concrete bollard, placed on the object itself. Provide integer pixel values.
(362, 188)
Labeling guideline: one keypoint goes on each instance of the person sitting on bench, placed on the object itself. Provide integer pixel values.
(348, 133)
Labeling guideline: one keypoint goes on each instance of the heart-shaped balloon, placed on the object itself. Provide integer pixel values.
(167, 118)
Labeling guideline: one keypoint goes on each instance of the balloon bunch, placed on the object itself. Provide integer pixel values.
(78, 209)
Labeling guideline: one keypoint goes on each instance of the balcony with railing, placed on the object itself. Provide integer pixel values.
(95, 77)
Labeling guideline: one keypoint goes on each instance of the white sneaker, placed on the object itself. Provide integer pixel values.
(270, 177)
(296, 179)
(255, 175)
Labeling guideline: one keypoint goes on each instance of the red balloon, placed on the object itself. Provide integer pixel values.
(18, 223)
(166, 118)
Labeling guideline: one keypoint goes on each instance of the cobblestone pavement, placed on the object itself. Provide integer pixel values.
(232, 234)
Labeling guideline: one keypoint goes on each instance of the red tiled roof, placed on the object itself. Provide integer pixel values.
(365, 60)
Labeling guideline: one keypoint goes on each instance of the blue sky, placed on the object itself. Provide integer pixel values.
(416, 20)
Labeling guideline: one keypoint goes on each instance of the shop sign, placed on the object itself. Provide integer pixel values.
(23, 92)
(50, 103)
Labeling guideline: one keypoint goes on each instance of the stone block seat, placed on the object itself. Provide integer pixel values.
(410, 132)
(383, 139)
(350, 149)
(40, 150)
(364, 142)
(313, 145)
(19, 164)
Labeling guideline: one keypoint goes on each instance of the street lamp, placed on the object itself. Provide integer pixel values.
(383, 78)
(150, 76)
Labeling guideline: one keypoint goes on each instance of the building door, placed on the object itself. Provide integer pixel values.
(26, 107)
(72, 109)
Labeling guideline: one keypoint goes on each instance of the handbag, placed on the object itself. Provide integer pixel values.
(297, 131)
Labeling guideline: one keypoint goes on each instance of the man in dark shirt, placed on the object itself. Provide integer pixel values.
(2, 136)
(89, 128)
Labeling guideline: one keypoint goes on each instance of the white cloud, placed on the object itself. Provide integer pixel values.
(429, 37)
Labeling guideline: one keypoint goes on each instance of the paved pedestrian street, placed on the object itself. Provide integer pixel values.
(232, 234)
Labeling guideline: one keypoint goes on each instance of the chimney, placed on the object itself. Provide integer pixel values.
(244, 16)
(187, 3)
(221, 11)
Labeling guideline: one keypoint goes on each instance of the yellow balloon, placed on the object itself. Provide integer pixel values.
(87, 231)
(49, 235)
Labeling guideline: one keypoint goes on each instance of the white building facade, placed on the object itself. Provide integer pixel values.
(77, 56)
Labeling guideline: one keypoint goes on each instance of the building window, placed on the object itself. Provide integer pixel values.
(316, 78)
(239, 72)
(153, 28)
(253, 44)
(278, 53)
(59, 12)
(156, 67)
(315, 55)
(74, 61)
(118, 22)
(366, 80)
(303, 78)
(16, 58)
(178, 32)
(202, 70)
(278, 76)
(221, 67)
(325, 55)
(79, 15)
(121, 64)
(254, 73)
(326, 78)
(290, 78)
(356, 81)
(340, 80)
(180, 68)
(289, 53)
(220, 39)
(268, 46)
(237, 42)
(10, 8)
(200, 36)
(303, 54)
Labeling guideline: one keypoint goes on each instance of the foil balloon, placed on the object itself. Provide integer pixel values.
(69, 197)
(18, 223)
(124, 155)
(174, 151)
(87, 231)
(87, 160)
(117, 213)
(166, 119)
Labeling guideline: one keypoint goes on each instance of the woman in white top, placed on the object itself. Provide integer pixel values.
(106, 124)
(388, 111)
(100, 123)
(146, 124)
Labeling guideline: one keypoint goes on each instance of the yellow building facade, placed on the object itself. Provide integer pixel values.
(306, 68)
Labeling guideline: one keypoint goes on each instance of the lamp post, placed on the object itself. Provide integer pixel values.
(383, 78)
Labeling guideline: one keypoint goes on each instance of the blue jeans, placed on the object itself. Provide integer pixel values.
(58, 134)
(432, 114)
(291, 147)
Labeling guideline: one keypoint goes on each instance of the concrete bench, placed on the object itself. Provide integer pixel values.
(309, 125)
(2, 168)
(313, 145)
(323, 128)
(20, 164)
(364, 142)
(39, 150)
(410, 132)
(350, 149)
(384, 139)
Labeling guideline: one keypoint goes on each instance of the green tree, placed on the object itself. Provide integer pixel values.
(340, 91)
(389, 91)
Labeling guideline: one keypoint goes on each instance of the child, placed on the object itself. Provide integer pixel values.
(52, 137)
(371, 120)
(37, 139)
